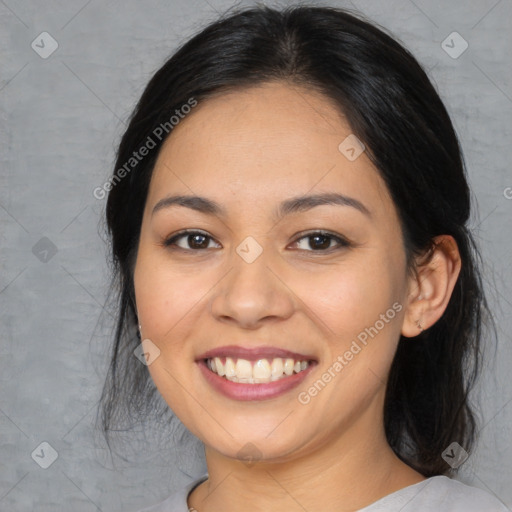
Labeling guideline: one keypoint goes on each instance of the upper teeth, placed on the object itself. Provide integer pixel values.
(255, 372)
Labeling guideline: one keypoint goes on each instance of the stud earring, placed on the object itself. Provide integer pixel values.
(420, 327)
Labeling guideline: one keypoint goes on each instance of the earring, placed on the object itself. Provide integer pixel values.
(420, 327)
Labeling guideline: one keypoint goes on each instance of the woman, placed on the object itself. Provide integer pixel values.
(288, 222)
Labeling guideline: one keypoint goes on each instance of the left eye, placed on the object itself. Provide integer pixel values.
(321, 241)
(194, 240)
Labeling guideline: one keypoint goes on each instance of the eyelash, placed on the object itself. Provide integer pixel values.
(343, 243)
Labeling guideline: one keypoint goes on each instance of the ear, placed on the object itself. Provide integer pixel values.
(431, 286)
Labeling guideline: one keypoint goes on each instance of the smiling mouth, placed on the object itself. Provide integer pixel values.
(260, 371)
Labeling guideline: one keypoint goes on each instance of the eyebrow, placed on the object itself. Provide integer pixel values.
(304, 203)
(287, 207)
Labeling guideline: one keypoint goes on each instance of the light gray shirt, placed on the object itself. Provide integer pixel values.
(435, 494)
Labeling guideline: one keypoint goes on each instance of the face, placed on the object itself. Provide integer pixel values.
(293, 255)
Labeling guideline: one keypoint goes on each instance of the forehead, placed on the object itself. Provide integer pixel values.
(260, 144)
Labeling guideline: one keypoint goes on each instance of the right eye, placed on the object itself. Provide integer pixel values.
(189, 240)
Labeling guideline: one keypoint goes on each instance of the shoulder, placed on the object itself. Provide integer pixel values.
(454, 495)
(176, 502)
(439, 494)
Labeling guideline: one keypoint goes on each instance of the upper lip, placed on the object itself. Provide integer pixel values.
(253, 354)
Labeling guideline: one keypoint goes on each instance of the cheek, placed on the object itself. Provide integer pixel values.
(358, 309)
(349, 298)
(167, 299)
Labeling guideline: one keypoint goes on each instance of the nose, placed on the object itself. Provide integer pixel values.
(252, 294)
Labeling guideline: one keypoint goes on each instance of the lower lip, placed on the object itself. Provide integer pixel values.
(264, 391)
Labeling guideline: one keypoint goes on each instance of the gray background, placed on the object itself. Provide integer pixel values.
(61, 119)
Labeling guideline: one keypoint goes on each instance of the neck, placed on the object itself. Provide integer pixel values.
(343, 474)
